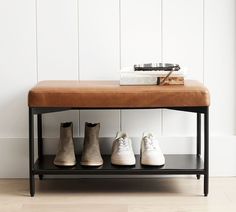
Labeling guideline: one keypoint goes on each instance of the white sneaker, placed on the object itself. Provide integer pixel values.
(151, 153)
(122, 151)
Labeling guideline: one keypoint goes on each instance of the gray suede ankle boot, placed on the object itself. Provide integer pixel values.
(65, 154)
(91, 155)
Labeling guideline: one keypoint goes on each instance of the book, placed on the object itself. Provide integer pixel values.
(131, 79)
(156, 67)
(170, 81)
(130, 70)
(135, 79)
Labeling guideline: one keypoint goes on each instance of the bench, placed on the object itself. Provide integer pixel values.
(54, 96)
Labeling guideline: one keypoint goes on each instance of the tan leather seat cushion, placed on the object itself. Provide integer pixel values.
(109, 94)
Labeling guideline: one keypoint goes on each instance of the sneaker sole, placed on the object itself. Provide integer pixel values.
(122, 163)
(149, 164)
(146, 163)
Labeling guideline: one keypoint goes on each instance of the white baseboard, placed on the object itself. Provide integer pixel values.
(14, 153)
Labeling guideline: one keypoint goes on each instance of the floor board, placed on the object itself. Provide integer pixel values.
(131, 195)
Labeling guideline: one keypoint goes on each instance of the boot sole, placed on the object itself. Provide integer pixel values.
(64, 164)
(91, 163)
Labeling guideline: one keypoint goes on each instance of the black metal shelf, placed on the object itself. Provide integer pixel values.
(175, 164)
(184, 164)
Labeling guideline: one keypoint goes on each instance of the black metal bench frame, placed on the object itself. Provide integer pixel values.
(187, 165)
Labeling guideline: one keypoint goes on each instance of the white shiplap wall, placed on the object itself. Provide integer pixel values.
(99, 54)
(57, 51)
(91, 40)
(183, 44)
(17, 65)
(140, 30)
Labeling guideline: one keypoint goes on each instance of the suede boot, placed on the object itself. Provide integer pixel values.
(65, 154)
(91, 155)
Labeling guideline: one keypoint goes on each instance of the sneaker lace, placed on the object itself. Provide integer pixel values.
(123, 144)
(148, 143)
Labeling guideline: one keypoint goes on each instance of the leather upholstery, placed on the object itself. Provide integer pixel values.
(109, 94)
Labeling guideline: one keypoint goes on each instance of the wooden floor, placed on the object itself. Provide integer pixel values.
(116, 195)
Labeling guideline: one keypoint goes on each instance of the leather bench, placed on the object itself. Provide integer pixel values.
(109, 94)
(55, 96)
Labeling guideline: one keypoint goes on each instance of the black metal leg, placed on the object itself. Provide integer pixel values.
(40, 140)
(198, 138)
(31, 152)
(206, 151)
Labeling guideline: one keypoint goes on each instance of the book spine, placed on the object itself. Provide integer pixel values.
(153, 73)
(170, 81)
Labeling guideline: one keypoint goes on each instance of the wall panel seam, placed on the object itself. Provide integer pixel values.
(162, 111)
(203, 40)
(36, 40)
(78, 58)
(120, 115)
(78, 41)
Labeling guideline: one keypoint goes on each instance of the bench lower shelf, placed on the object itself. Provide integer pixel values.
(175, 164)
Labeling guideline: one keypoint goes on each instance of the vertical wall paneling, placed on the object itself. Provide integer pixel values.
(140, 42)
(140, 31)
(183, 44)
(90, 40)
(99, 39)
(57, 27)
(57, 39)
(108, 119)
(17, 65)
(99, 54)
(220, 65)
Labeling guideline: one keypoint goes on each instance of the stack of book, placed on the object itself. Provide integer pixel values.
(152, 74)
